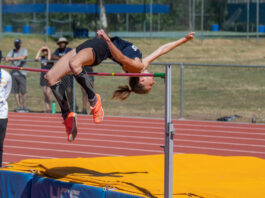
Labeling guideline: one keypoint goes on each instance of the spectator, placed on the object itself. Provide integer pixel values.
(16, 56)
(5, 88)
(84, 98)
(44, 55)
(67, 81)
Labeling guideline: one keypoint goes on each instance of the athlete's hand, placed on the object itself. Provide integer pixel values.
(190, 36)
(101, 34)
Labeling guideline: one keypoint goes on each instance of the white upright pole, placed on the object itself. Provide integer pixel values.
(181, 90)
(169, 138)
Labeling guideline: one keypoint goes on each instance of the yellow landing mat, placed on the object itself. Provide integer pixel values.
(194, 175)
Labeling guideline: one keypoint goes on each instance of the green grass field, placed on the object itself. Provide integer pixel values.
(209, 92)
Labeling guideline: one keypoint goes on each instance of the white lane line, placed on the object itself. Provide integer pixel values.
(222, 143)
(220, 149)
(221, 137)
(106, 125)
(177, 126)
(23, 155)
(94, 129)
(83, 121)
(89, 118)
(138, 131)
(218, 131)
(176, 122)
(138, 143)
(82, 145)
(219, 126)
(58, 150)
(141, 137)
(84, 133)
(84, 139)
(181, 146)
(93, 126)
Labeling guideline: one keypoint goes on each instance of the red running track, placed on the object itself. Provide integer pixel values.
(32, 135)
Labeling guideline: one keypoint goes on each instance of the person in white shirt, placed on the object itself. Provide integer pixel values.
(5, 88)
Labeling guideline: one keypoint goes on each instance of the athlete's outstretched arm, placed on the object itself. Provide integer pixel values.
(164, 49)
(128, 64)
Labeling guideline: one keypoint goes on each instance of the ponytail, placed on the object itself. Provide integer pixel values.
(123, 92)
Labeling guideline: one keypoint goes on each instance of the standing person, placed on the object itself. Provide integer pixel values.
(1, 56)
(16, 57)
(44, 55)
(67, 81)
(5, 88)
(84, 94)
(93, 52)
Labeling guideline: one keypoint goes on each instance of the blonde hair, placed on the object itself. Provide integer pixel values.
(123, 92)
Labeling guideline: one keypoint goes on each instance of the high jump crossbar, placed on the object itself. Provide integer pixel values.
(161, 75)
(169, 128)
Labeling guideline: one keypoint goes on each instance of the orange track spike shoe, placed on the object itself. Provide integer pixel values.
(70, 126)
(97, 111)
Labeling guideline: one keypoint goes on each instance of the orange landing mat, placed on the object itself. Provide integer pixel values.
(194, 175)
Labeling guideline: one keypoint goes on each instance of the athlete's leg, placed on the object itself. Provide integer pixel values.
(60, 69)
(53, 77)
(87, 57)
(84, 57)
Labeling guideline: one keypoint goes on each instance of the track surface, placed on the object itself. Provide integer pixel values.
(31, 135)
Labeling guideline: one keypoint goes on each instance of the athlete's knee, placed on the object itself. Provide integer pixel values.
(75, 67)
(49, 79)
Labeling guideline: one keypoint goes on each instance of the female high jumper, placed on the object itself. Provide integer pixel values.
(92, 53)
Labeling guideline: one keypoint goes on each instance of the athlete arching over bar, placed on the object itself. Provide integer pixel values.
(93, 52)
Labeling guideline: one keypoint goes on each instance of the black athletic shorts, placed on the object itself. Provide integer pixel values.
(100, 48)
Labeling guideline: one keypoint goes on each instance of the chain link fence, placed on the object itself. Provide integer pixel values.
(203, 92)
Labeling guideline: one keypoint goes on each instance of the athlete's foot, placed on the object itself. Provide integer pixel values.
(70, 126)
(97, 111)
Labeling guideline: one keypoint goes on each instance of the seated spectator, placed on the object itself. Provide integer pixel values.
(44, 55)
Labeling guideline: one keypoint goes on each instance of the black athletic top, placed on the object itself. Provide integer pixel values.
(127, 48)
(102, 52)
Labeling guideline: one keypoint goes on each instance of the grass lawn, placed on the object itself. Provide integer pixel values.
(209, 92)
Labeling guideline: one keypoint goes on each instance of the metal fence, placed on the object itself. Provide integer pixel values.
(200, 91)
(187, 65)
